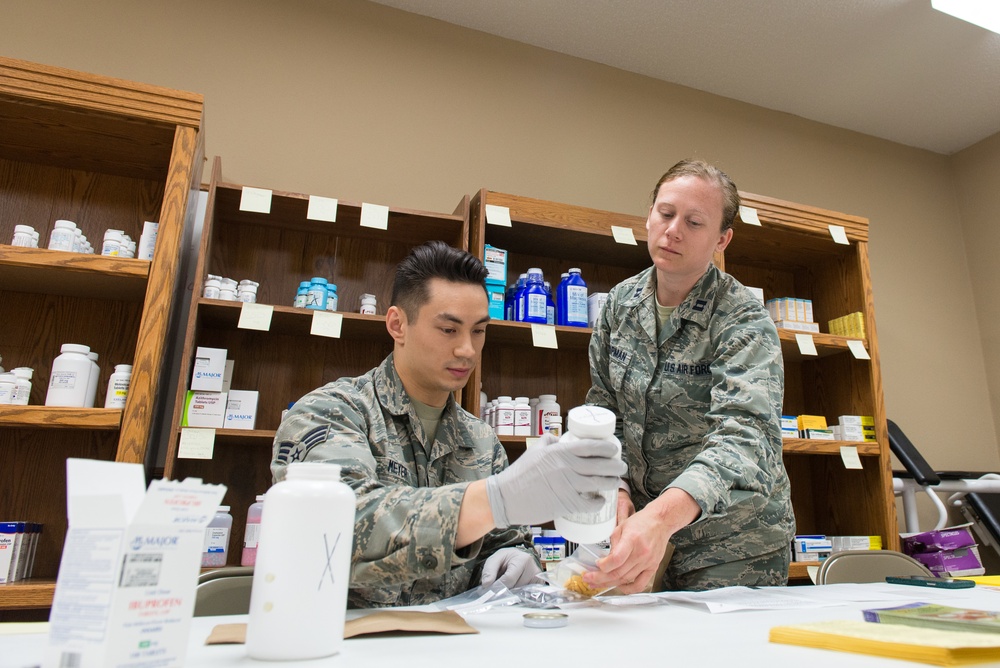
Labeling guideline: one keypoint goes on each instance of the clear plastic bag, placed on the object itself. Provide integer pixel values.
(568, 574)
(479, 599)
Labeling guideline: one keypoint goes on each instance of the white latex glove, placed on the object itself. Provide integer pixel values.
(513, 567)
(549, 481)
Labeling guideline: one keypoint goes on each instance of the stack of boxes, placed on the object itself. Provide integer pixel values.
(792, 313)
(814, 427)
(817, 547)
(495, 260)
(210, 402)
(18, 541)
(854, 428)
(950, 552)
(851, 325)
(849, 428)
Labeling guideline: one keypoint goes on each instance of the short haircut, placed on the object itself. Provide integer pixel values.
(712, 174)
(434, 259)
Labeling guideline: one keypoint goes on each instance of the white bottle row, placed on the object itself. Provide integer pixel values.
(521, 416)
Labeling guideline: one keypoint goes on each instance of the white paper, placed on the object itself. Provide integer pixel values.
(839, 234)
(255, 316)
(729, 599)
(849, 455)
(196, 443)
(749, 216)
(375, 216)
(256, 200)
(543, 336)
(498, 215)
(108, 493)
(857, 347)
(623, 235)
(322, 208)
(325, 323)
(806, 344)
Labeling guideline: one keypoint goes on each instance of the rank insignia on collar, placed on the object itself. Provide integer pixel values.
(699, 305)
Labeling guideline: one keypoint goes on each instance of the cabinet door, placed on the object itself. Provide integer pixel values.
(279, 250)
(553, 237)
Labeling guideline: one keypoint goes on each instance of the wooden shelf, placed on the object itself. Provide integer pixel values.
(49, 417)
(826, 345)
(797, 570)
(290, 320)
(26, 594)
(510, 333)
(43, 271)
(247, 437)
(802, 446)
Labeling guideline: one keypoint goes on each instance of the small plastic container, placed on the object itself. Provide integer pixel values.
(302, 295)
(331, 297)
(7, 383)
(95, 374)
(70, 377)
(22, 385)
(247, 294)
(316, 295)
(251, 535)
(545, 410)
(505, 416)
(23, 236)
(63, 235)
(522, 417)
(368, 304)
(217, 539)
(118, 386)
(212, 289)
(113, 242)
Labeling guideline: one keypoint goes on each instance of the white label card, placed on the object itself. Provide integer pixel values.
(322, 208)
(839, 234)
(196, 443)
(748, 215)
(543, 336)
(255, 316)
(375, 216)
(530, 441)
(857, 347)
(806, 344)
(498, 215)
(256, 200)
(623, 235)
(849, 453)
(325, 323)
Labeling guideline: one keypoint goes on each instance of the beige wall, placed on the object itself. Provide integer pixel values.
(358, 101)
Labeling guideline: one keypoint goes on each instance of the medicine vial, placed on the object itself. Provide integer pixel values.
(212, 289)
(217, 539)
(367, 304)
(299, 596)
(23, 236)
(590, 422)
(227, 290)
(545, 410)
(70, 377)
(63, 235)
(251, 535)
(522, 417)
(147, 240)
(113, 241)
(316, 295)
(95, 373)
(22, 386)
(302, 295)
(247, 291)
(505, 416)
(6, 387)
(118, 386)
(331, 297)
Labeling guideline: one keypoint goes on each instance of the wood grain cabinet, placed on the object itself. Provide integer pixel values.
(791, 254)
(278, 250)
(104, 153)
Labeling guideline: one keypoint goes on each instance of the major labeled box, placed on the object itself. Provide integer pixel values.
(209, 370)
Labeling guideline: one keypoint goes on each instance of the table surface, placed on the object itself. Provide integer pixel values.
(605, 635)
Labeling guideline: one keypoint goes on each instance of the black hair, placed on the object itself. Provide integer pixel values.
(434, 259)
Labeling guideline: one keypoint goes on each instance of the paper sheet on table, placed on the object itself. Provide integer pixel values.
(730, 599)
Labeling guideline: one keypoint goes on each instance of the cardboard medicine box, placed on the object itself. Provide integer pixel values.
(241, 409)
(205, 409)
(209, 370)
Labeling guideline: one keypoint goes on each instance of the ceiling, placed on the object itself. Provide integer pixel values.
(895, 69)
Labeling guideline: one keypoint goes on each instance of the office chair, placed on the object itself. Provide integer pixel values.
(224, 591)
(867, 566)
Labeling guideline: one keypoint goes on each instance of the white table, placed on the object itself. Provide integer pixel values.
(662, 635)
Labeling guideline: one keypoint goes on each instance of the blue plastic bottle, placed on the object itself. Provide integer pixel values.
(510, 305)
(522, 283)
(561, 299)
(302, 295)
(550, 305)
(534, 300)
(576, 299)
(316, 297)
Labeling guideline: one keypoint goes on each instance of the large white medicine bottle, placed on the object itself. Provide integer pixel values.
(299, 596)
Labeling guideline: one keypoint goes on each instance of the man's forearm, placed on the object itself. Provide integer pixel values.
(475, 519)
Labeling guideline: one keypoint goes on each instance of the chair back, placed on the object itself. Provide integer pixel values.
(868, 566)
(224, 591)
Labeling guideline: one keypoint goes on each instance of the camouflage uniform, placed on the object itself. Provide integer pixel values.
(409, 492)
(699, 405)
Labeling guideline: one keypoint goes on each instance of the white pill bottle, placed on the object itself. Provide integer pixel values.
(586, 528)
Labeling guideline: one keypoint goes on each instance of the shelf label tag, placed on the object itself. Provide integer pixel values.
(256, 200)
(839, 234)
(857, 347)
(325, 323)
(498, 215)
(849, 453)
(806, 344)
(255, 316)
(623, 235)
(748, 215)
(530, 441)
(543, 336)
(322, 208)
(375, 216)
(196, 443)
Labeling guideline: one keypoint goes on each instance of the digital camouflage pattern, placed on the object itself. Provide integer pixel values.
(699, 406)
(409, 492)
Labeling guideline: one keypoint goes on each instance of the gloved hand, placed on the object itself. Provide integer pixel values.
(513, 567)
(554, 480)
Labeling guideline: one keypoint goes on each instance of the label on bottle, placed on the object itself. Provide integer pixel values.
(216, 540)
(537, 307)
(63, 380)
(251, 535)
(576, 305)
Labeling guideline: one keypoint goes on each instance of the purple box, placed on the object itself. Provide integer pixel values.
(950, 538)
(962, 562)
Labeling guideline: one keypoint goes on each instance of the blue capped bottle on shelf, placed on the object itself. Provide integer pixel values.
(522, 283)
(576, 299)
(534, 298)
(550, 305)
(510, 300)
(302, 294)
(316, 296)
(561, 299)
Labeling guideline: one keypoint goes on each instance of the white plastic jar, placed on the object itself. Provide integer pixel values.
(588, 528)
(212, 289)
(63, 235)
(7, 382)
(522, 417)
(368, 304)
(112, 245)
(23, 236)
(95, 374)
(545, 410)
(505, 416)
(118, 386)
(70, 377)
(217, 539)
(22, 385)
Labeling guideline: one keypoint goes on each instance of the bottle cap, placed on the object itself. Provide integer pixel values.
(591, 422)
(123, 368)
(74, 348)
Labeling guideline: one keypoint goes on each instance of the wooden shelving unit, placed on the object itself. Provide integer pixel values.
(104, 153)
